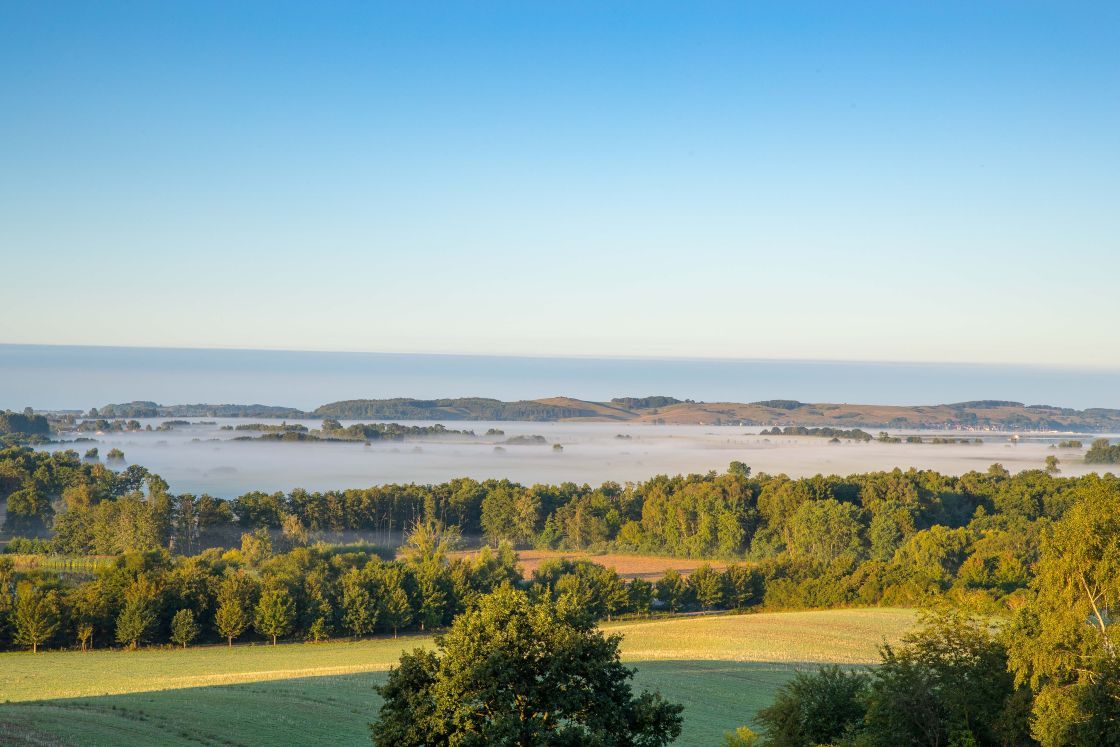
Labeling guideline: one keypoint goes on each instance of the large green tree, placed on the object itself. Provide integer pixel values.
(183, 628)
(948, 684)
(359, 610)
(275, 613)
(815, 708)
(235, 602)
(139, 613)
(515, 672)
(35, 617)
(1064, 642)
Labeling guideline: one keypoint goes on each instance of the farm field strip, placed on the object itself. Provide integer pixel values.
(649, 567)
(839, 636)
(721, 668)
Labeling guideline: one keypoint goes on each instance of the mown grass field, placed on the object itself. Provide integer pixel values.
(722, 668)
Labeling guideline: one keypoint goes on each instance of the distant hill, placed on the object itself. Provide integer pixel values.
(143, 409)
(979, 414)
(463, 408)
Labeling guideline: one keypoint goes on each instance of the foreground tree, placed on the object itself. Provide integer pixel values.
(948, 684)
(514, 672)
(1064, 642)
(814, 709)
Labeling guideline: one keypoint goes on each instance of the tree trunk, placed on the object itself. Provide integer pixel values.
(273, 640)
(34, 647)
(230, 641)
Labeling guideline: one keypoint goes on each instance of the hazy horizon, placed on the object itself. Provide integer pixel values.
(79, 377)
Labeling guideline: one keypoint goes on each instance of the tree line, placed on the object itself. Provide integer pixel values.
(290, 590)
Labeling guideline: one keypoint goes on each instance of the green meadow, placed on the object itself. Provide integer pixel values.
(723, 668)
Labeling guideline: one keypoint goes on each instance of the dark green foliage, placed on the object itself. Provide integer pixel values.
(817, 708)
(513, 672)
(35, 616)
(948, 684)
(152, 410)
(234, 606)
(25, 424)
(645, 403)
(854, 434)
(183, 628)
(780, 404)
(1063, 643)
(673, 590)
(275, 613)
(334, 431)
(1101, 453)
(140, 612)
(465, 408)
(707, 587)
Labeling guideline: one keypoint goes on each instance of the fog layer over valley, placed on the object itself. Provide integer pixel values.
(205, 458)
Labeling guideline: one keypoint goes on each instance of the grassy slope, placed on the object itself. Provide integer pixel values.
(721, 668)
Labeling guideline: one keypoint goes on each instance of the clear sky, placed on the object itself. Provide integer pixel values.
(890, 180)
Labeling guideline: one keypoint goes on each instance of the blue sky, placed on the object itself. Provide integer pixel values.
(907, 181)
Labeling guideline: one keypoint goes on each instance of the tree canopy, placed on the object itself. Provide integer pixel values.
(512, 671)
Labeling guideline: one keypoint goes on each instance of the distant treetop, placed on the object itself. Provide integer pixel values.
(645, 403)
(780, 404)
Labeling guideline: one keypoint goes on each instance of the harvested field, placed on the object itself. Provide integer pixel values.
(649, 567)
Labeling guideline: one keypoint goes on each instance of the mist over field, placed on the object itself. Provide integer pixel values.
(191, 460)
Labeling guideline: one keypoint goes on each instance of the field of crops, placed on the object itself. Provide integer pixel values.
(722, 668)
(649, 567)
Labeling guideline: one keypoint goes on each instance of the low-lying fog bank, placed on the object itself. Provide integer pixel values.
(203, 458)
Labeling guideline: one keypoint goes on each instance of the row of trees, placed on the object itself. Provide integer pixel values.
(314, 593)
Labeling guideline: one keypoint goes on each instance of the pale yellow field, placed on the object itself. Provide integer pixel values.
(833, 636)
(838, 636)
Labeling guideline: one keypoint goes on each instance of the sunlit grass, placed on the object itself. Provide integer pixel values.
(722, 668)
